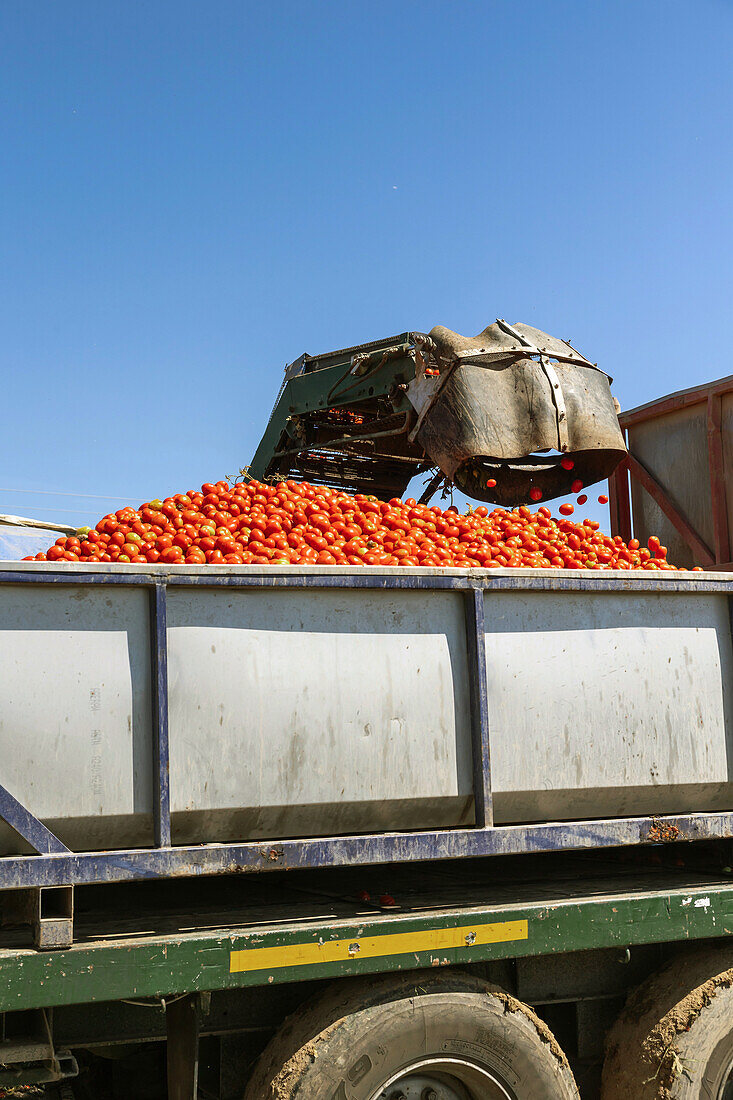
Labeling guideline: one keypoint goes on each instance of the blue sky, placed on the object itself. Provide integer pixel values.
(193, 194)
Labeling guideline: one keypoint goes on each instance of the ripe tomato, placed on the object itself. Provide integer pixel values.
(299, 523)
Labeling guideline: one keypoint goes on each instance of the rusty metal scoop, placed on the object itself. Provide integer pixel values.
(506, 407)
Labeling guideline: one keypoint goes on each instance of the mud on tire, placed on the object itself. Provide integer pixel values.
(674, 1038)
(362, 1036)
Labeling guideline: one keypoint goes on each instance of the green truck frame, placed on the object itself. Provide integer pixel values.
(214, 966)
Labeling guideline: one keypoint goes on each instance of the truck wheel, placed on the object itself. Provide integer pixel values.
(425, 1036)
(674, 1038)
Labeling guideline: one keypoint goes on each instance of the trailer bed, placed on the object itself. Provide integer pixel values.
(157, 940)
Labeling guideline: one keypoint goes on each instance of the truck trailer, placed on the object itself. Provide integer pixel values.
(327, 833)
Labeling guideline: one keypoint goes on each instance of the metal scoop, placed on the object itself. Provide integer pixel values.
(507, 407)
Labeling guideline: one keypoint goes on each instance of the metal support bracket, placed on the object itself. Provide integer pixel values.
(53, 917)
(49, 910)
(31, 1059)
(476, 642)
(561, 412)
(27, 826)
(161, 767)
(183, 1025)
(648, 482)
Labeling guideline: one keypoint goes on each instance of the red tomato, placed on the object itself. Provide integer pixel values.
(296, 522)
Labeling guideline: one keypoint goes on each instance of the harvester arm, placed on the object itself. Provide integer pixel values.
(509, 416)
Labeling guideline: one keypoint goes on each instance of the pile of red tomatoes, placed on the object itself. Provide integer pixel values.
(294, 523)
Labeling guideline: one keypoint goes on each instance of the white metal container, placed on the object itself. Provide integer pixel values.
(319, 711)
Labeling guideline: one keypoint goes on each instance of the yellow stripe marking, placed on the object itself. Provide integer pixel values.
(373, 947)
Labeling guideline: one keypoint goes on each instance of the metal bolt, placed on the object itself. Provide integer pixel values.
(429, 1094)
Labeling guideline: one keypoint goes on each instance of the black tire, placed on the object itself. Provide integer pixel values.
(361, 1037)
(674, 1038)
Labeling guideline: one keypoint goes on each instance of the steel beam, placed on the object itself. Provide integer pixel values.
(479, 691)
(162, 966)
(161, 755)
(365, 576)
(717, 479)
(682, 399)
(27, 826)
(182, 1022)
(679, 521)
(130, 865)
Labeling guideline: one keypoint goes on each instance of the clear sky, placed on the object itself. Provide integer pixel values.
(192, 194)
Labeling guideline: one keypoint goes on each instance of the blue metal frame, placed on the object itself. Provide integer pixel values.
(492, 580)
(130, 865)
(476, 643)
(54, 865)
(33, 831)
(161, 756)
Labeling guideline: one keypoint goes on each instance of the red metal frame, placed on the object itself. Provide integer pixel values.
(619, 484)
(717, 479)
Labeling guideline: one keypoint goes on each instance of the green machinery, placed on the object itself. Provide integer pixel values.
(509, 416)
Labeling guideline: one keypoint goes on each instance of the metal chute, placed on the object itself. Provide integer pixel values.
(507, 406)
